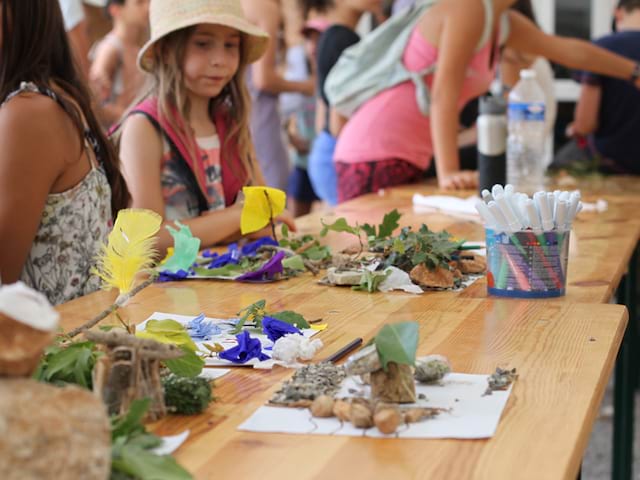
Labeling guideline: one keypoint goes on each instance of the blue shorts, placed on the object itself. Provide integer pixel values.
(322, 170)
(300, 187)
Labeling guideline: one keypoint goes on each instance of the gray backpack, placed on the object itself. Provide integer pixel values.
(375, 63)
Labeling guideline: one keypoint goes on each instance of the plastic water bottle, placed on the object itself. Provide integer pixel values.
(526, 141)
(492, 141)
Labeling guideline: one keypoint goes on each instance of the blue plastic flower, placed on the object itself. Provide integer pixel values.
(274, 328)
(246, 349)
(251, 248)
(200, 329)
(167, 276)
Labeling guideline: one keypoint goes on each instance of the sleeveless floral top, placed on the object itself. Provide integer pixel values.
(74, 225)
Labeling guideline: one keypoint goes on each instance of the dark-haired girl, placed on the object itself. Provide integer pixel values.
(343, 15)
(60, 182)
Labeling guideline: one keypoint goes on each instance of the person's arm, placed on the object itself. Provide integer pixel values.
(28, 170)
(459, 36)
(572, 53)
(587, 111)
(101, 76)
(265, 14)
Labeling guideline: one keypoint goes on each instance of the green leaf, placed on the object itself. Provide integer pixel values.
(389, 224)
(294, 263)
(397, 343)
(371, 281)
(291, 318)
(253, 313)
(369, 230)
(284, 231)
(167, 331)
(398, 246)
(188, 365)
(72, 364)
(340, 225)
(142, 464)
(317, 253)
(131, 423)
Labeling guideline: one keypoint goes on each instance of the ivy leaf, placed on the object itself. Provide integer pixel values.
(389, 224)
(292, 318)
(188, 365)
(317, 253)
(371, 281)
(397, 343)
(294, 263)
(340, 225)
(284, 231)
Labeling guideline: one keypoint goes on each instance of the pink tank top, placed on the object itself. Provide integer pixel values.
(390, 125)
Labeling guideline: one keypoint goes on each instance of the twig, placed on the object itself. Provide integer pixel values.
(273, 225)
(120, 301)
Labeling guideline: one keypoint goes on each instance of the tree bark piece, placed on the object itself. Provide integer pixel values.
(396, 385)
(52, 433)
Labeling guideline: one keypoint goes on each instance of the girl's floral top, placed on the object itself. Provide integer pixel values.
(74, 225)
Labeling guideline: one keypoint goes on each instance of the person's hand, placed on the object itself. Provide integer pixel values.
(287, 218)
(464, 179)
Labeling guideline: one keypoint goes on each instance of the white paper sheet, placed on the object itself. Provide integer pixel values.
(465, 207)
(213, 373)
(226, 338)
(171, 443)
(471, 415)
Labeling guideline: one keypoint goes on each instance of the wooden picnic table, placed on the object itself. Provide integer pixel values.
(564, 350)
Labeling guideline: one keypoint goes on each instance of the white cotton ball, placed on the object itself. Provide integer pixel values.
(27, 306)
(286, 348)
(308, 348)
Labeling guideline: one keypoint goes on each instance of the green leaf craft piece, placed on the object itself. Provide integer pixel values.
(188, 365)
(167, 331)
(185, 250)
(397, 343)
(229, 270)
(292, 318)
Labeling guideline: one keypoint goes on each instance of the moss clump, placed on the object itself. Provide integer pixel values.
(187, 396)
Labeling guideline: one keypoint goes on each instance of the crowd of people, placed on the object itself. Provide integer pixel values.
(182, 103)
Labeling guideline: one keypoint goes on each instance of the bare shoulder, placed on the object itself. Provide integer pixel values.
(140, 138)
(467, 18)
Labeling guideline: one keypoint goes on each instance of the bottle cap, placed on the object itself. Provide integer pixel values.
(490, 105)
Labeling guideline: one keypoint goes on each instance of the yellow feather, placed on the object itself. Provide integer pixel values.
(129, 249)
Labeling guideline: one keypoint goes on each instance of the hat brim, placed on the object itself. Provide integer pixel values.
(255, 39)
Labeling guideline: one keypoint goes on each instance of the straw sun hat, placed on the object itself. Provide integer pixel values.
(167, 16)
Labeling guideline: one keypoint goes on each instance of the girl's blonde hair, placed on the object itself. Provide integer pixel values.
(167, 84)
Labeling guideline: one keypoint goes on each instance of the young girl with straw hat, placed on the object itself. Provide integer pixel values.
(186, 148)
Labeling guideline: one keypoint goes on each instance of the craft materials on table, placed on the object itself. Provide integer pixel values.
(466, 412)
(527, 240)
(216, 338)
(449, 205)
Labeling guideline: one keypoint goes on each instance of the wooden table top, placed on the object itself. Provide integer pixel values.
(564, 353)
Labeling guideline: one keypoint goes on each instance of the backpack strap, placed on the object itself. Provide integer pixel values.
(488, 24)
(149, 108)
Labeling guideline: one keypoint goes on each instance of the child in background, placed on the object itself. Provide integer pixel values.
(607, 115)
(343, 15)
(186, 149)
(300, 190)
(266, 83)
(114, 75)
(388, 141)
(60, 181)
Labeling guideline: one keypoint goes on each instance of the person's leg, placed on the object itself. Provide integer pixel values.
(301, 194)
(321, 170)
(394, 172)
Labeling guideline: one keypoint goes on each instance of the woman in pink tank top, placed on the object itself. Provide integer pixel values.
(389, 142)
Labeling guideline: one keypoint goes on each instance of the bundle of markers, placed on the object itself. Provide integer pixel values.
(504, 210)
(527, 240)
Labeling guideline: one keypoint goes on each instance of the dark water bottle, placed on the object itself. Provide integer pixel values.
(492, 141)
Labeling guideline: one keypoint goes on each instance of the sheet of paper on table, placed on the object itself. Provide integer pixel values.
(471, 414)
(226, 337)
